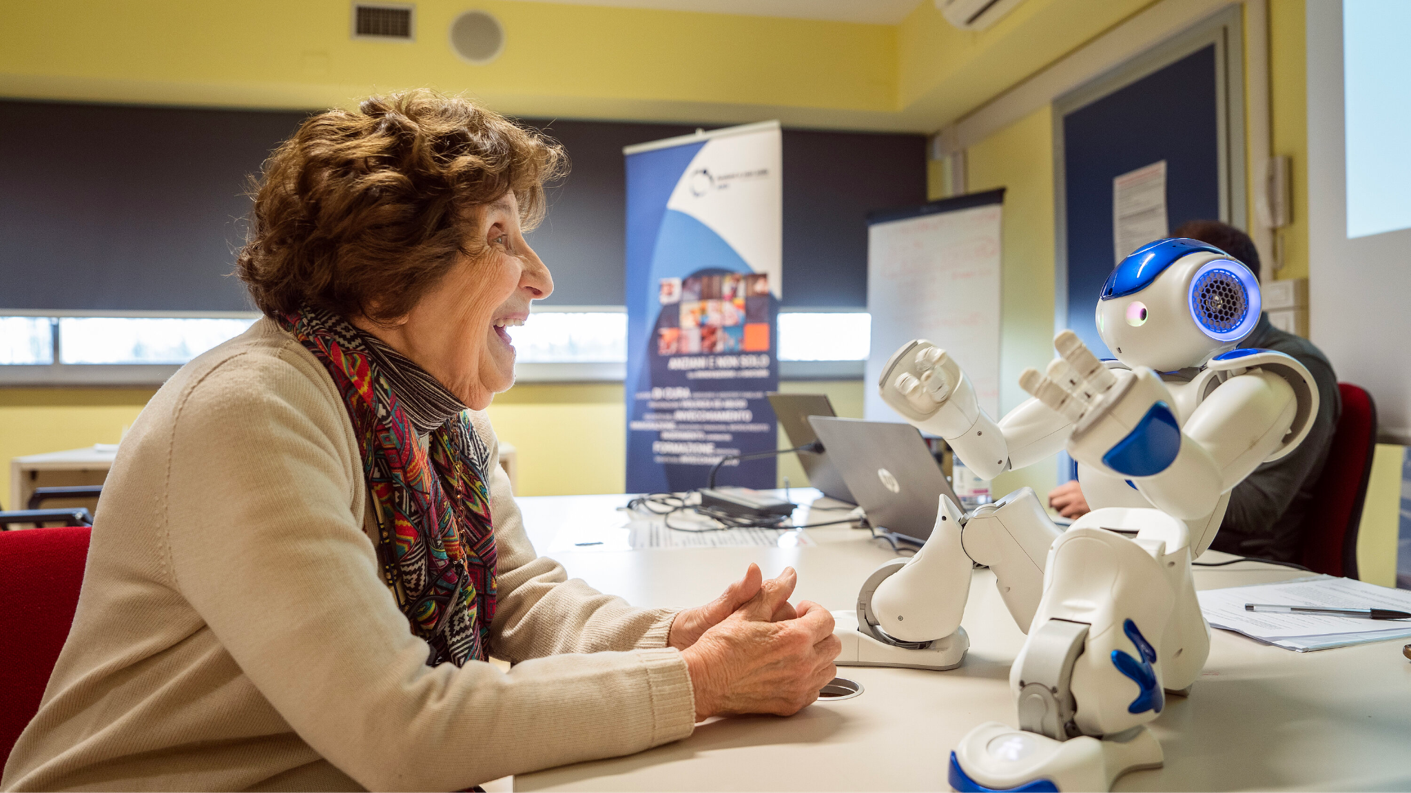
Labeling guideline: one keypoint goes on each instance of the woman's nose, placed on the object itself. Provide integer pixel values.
(536, 277)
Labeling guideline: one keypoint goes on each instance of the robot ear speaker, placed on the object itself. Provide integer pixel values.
(1220, 302)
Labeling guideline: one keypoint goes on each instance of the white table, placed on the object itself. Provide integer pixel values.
(1259, 717)
(73, 467)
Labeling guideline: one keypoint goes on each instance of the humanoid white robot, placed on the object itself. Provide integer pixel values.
(1160, 435)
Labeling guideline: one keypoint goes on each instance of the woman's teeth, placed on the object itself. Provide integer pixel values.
(501, 328)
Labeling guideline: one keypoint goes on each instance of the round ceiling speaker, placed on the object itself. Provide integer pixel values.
(477, 37)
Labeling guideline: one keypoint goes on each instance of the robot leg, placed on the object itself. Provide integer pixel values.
(1088, 678)
(1012, 537)
(908, 611)
(1185, 643)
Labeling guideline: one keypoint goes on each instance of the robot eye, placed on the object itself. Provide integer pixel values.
(1136, 314)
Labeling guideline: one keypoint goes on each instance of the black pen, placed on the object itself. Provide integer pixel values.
(1366, 614)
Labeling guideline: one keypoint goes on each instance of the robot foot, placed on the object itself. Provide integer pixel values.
(1180, 692)
(995, 757)
(859, 649)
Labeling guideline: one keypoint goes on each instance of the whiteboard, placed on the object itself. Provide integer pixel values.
(936, 276)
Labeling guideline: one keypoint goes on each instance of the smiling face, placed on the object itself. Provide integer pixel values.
(458, 330)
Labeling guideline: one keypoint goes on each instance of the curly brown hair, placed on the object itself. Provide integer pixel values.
(361, 213)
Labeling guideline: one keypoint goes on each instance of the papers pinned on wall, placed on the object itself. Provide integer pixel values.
(1225, 609)
(1138, 209)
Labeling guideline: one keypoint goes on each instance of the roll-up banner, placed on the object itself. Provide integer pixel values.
(704, 267)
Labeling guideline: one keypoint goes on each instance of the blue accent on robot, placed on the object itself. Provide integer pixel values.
(1150, 447)
(1137, 271)
(1150, 695)
(1224, 300)
(961, 781)
(1232, 354)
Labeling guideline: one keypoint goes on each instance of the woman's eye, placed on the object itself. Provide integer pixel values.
(502, 240)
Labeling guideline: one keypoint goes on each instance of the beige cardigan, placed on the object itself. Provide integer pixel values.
(233, 632)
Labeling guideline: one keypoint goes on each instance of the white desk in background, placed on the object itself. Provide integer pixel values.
(1259, 717)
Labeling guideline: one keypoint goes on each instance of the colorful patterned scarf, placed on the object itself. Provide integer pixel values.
(437, 547)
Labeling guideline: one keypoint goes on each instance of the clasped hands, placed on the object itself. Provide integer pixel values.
(750, 651)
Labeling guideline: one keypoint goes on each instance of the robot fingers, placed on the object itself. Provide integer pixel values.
(1084, 363)
(1052, 394)
(1059, 371)
(930, 385)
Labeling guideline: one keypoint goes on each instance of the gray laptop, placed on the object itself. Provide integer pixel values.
(793, 411)
(890, 471)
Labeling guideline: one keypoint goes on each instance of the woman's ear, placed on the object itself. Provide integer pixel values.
(374, 308)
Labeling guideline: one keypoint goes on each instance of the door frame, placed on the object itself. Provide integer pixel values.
(1225, 30)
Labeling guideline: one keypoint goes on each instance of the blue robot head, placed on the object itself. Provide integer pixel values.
(1176, 303)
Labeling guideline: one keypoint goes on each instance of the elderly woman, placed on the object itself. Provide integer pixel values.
(306, 552)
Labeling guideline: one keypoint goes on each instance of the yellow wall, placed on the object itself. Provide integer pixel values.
(569, 436)
(34, 421)
(1381, 518)
(1288, 100)
(944, 72)
(1019, 158)
(559, 59)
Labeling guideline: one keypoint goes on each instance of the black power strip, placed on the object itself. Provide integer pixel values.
(745, 502)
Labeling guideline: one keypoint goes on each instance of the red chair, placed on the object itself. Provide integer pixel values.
(1330, 533)
(41, 571)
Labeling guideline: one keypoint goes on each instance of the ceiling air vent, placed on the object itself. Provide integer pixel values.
(382, 21)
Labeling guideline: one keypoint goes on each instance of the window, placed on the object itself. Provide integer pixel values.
(142, 340)
(26, 340)
(824, 336)
(572, 337)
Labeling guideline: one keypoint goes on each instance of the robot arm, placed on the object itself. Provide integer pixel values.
(1124, 425)
(929, 390)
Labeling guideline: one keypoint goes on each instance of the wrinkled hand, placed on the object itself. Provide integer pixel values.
(1068, 499)
(750, 663)
(689, 624)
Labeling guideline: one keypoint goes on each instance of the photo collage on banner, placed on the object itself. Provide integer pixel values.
(704, 260)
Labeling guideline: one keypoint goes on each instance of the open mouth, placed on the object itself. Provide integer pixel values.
(502, 327)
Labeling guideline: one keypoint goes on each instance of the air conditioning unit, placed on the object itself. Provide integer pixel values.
(975, 14)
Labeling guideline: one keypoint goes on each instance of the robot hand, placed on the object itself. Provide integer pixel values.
(1124, 426)
(927, 387)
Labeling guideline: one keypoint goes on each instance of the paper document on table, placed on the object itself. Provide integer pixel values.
(1138, 208)
(629, 534)
(1224, 608)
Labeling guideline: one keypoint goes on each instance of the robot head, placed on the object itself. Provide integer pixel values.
(1177, 303)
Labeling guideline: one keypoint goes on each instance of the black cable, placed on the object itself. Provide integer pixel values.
(1250, 559)
(665, 505)
(815, 447)
(891, 539)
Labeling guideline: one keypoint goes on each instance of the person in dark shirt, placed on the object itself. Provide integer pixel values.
(1267, 510)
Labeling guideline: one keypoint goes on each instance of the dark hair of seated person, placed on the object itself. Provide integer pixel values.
(1223, 236)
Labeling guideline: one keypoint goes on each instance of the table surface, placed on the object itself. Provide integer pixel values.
(99, 456)
(1259, 717)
